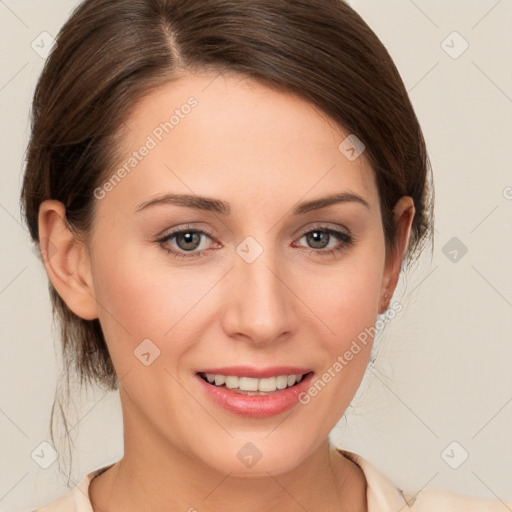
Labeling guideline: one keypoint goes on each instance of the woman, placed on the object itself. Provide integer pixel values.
(224, 194)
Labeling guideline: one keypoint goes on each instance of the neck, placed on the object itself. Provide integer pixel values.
(153, 474)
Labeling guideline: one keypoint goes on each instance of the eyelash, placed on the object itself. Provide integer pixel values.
(347, 241)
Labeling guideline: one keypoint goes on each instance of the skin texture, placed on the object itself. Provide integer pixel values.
(262, 151)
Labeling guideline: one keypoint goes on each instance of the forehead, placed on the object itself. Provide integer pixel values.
(216, 134)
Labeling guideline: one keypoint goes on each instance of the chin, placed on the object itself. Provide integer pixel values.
(254, 458)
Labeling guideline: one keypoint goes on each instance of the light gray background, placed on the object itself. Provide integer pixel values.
(443, 372)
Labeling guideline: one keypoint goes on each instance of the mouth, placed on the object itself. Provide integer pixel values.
(253, 386)
(255, 392)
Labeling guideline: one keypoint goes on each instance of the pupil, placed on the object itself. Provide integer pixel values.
(190, 238)
(315, 239)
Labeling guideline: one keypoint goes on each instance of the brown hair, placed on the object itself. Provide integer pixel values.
(110, 54)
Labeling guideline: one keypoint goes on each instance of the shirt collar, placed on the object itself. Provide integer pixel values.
(381, 494)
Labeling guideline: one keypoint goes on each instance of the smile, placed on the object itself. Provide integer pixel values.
(276, 395)
(251, 385)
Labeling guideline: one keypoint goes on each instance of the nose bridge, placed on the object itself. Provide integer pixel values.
(260, 301)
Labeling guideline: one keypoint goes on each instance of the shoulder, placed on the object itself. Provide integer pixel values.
(446, 501)
(65, 503)
(384, 496)
(77, 500)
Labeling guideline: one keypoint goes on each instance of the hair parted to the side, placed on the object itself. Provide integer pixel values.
(109, 54)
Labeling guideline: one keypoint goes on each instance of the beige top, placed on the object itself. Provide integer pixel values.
(382, 496)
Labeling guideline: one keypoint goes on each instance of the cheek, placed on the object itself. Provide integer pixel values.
(345, 302)
(144, 331)
(142, 299)
(344, 298)
(346, 306)
(136, 300)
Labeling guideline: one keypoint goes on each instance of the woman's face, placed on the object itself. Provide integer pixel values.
(258, 282)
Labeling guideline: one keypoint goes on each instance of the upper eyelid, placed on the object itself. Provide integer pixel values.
(322, 226)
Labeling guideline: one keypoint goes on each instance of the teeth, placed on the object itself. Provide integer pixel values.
(231, 382)
(281, 382)
(251, 384)
(269, 384)
(219, 379)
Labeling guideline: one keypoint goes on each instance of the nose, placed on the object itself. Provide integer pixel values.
(259, 305)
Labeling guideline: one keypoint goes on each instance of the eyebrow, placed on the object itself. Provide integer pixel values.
(224, 208)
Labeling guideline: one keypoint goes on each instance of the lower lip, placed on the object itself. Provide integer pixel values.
(257, 406)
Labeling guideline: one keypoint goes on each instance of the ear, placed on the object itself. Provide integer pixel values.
(403, 212)
(66, 260)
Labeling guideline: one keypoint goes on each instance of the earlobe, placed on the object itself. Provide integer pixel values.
(403, 217)
(66, 260)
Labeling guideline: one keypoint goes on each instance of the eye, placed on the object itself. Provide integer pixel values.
(190, 242)
(185, 240)
(326, 241)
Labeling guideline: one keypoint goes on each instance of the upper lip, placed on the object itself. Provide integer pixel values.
(257, 373)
